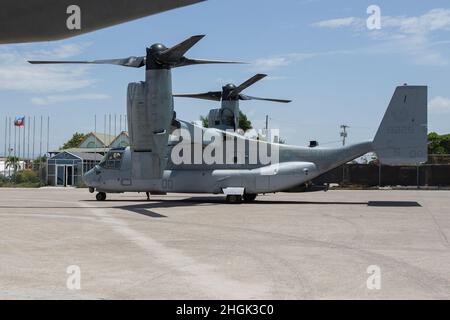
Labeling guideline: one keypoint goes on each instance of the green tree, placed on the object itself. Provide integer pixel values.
(204, 121)
(244, 123)
(75, 141)
(438, 144)
(40, 161)
(12, 163)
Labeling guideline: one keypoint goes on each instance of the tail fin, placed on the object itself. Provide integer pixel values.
(402, 136)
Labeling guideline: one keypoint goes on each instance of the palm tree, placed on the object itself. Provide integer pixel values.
(13, 163)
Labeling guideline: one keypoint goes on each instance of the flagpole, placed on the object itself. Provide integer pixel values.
(29, 130)
(40, 151)
(6, 135)
(9, 137)
(15, 139)
(23, 145)
(9, 144)
(18, 145)
(95, 132)
(48, 134)
(34, 139)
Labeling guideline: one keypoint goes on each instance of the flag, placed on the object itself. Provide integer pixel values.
(19, 122)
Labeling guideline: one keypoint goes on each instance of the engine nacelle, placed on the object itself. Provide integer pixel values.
(150, 114)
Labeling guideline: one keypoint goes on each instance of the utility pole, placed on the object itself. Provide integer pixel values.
(344, 133)
(344, 136)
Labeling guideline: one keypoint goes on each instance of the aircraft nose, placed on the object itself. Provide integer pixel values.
(90, 178)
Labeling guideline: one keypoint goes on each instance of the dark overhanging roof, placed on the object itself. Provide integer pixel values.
(80, 155)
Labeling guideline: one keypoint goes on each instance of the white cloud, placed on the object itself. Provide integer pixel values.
(434, 20)
(17, 74)
(271, 63)
(60, 99)
(337, 23)
(267, 64)
(439, 105)
(409, 35)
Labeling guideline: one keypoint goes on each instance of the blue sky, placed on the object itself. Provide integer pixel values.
(317, 52)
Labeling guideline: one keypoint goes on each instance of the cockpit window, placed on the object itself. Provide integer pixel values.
(112, 160)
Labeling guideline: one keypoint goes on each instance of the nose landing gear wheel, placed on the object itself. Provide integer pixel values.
(250, 197)
(234, 199)
(101, 196)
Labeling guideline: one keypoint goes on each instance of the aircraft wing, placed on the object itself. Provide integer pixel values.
(45, 20)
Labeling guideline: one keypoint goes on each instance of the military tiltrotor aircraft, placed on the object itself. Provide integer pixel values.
(168, 155)
(227, 117)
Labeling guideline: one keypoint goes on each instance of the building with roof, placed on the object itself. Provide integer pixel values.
(66, 168)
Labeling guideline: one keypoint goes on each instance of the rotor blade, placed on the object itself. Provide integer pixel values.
(189, 62)
(246, 98)
(247, 84)
(134, 62)
(212, 95)
(177, 52)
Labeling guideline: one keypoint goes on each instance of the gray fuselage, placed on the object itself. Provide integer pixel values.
(297, 165)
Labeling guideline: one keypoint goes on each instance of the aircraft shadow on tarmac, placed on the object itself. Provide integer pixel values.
(145, 207)
(400, 204)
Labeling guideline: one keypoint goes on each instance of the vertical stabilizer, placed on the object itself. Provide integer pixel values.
(402, 136)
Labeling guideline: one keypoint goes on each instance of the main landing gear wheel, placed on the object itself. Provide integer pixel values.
(250, 197)
(101, 196)
(234, 199)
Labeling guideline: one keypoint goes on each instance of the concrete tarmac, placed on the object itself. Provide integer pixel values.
(284, 246)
